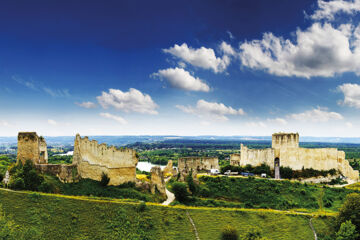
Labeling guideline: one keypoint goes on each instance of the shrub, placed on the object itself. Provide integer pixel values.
(104, 179)
(17, 183)
(180, 191)
(47, 187)
(229, 233)
(286, 172)
(253, 234)
(1, 177)
(347, 231)
(351, 210)
(141, 207)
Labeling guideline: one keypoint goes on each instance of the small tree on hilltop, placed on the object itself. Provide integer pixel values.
(351, 210)
(229, 233)
(104, 179)
(191, 183)
(347, 231)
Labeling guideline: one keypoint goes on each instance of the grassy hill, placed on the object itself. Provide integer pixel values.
(66, 217)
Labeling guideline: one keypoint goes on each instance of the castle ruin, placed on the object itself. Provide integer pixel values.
(285, 151)
(93, 159)
(90, 159)
(195, 165)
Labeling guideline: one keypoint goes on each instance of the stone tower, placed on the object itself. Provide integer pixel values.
(31, 147)
(285, 140)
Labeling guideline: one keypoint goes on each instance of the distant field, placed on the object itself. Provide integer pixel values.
(57, 217)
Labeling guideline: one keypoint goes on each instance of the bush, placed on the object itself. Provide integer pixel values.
(229, 233)
(180, 191)
(17, 183)
(190, 181)
(286, 172)
(347, 231)
(141, 207)
(351, 210)
(104, 179)
(1, 177)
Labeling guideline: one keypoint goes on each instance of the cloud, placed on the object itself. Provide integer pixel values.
(114, 117)
(131, 101)
(86, 104)
(321, 50)
(256, 124)
(231, 36)
(181, 79)
(57, 92)
(351, 94)
(227, 49)
(349, 124)
(280, 121)
(52, 122)
(328, 9)
(202, 57)
(28, 84)
(316, 115)
(4, 123)
(215, 110)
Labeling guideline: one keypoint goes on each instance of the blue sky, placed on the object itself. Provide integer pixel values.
(184, 68)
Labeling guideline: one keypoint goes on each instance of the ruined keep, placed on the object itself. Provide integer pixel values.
(31, 147)
(157, 181)
(92, 159)
(195, 165)
(285, 151)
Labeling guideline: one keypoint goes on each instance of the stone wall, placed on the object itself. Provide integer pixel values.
(286, 147)
(196, 164)
(66, 173)
(28, 147)
(235, 159)
(43, 158)
(157, 181)
(92, 159)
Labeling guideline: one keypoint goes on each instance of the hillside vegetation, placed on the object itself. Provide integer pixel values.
(262, 193)
(64, 217)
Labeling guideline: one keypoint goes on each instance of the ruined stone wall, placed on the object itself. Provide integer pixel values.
(66, 173)
(92, 159)
(28, 147)
(285, 140)
(157, 181)
(286, 148)
(235, 159)
(196, 164)
(43, 153)
(256, 157)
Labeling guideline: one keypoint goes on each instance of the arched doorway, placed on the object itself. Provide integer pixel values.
(277, 168)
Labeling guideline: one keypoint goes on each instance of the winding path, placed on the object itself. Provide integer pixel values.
(313, 229)
(170, 196)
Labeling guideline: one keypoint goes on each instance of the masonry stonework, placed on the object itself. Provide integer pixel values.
(92, 159)
(285, 148)
(195, 165)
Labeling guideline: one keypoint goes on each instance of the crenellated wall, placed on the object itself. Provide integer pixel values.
(92, 159)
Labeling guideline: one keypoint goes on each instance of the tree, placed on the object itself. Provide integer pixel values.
(180, 191)
(351, 210)
(191, 184)
(229, 233)
(347, 231)
(104, 179)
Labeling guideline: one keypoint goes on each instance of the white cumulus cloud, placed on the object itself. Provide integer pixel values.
(179, 78)
(114, 117)
(328, 9)
(280, 121)
(131, 101)
(215, 110)
(321, 50)
(86, 104)
(316, 115)
(201, 57)
(351, 94)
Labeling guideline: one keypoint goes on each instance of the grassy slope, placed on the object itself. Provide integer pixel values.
(273, 194)
(58, 217)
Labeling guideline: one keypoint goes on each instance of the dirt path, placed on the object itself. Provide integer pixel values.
(170, 195)
(193, 224)
(313, 229)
